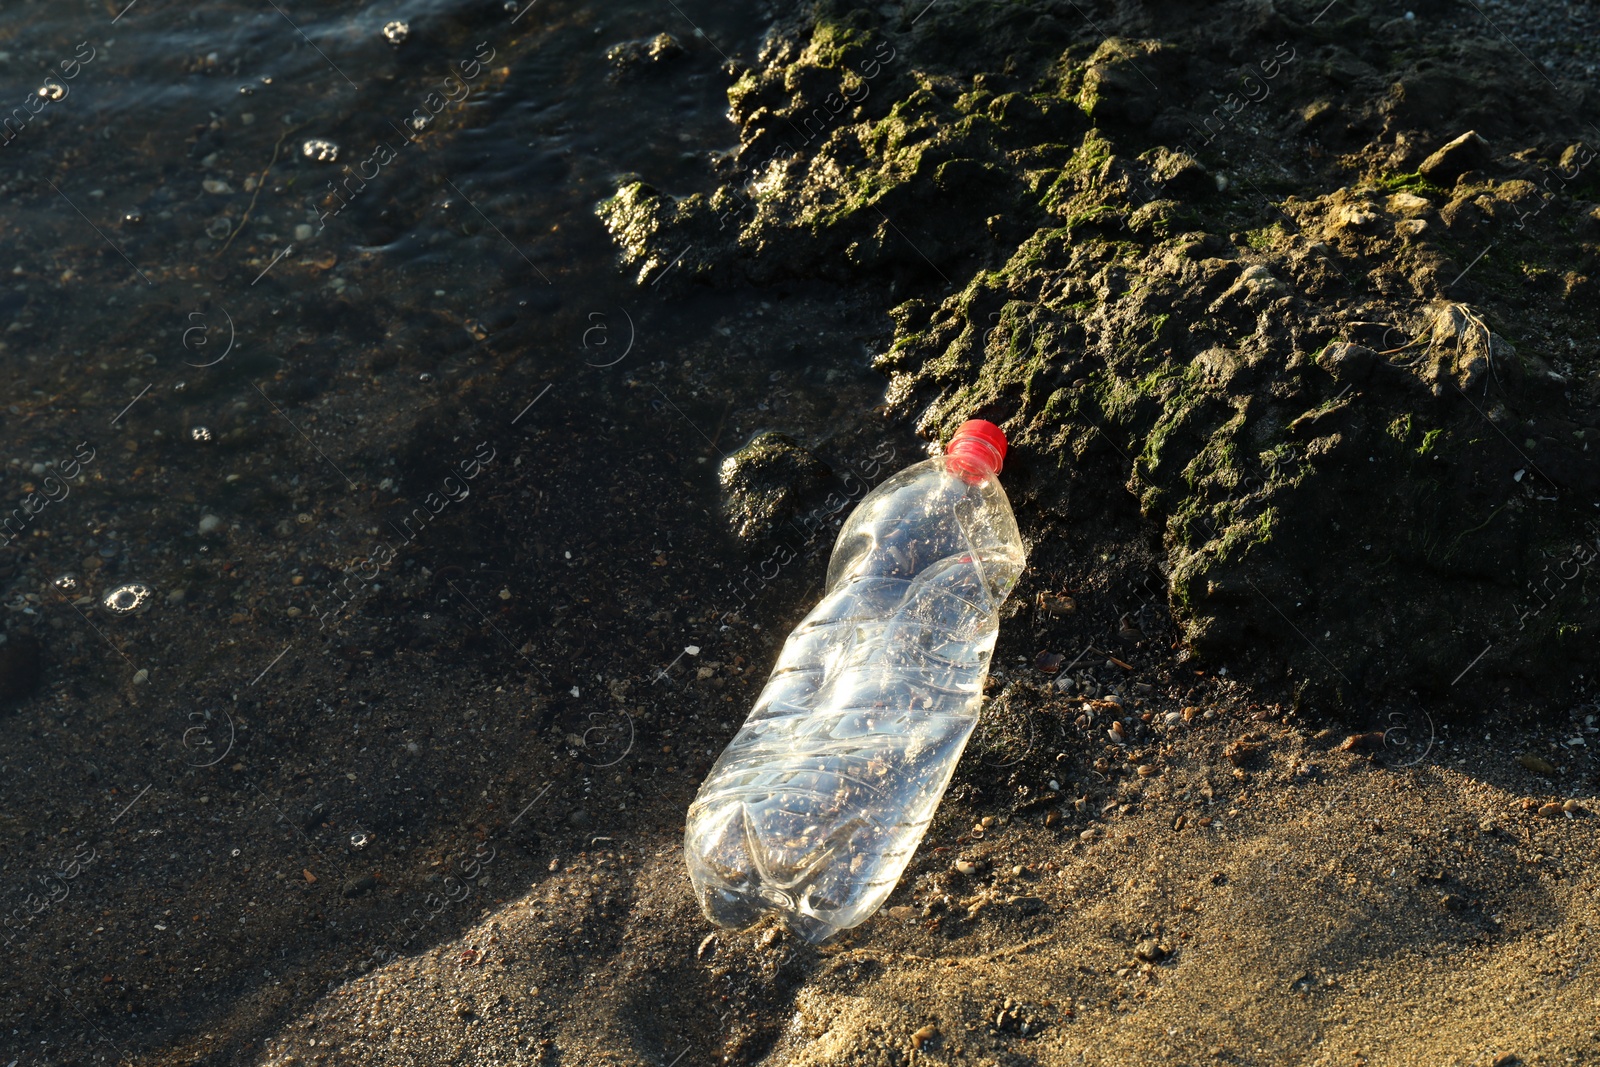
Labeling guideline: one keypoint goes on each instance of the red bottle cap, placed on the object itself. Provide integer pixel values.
(978, 448)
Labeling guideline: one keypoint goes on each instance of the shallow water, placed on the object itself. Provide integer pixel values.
(345, 492)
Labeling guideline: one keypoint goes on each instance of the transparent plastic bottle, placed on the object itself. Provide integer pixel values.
(816, 806)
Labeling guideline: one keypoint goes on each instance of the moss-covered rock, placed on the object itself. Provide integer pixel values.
(766, 481)
(1255, 279)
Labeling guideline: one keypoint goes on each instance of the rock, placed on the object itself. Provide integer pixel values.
(644, 53)
(1580, 290)
(1589, 221)
(1550, 810)
(1255, 285)
(1055, 604)
(1408, 204)
(1461, 350)
(1348, 362)
(361, 886)
(924, 1035)
(766, 481)
(1537, 765)
(1119, 86)
(1462, 215)
(1179, 173)
(1358, 742)
(1239, 752)
(1354, 217)
(1151, 951)
(210, 524)
(1466, 153)
(19, 668)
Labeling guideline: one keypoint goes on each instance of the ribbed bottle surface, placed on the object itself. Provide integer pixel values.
(816, 806)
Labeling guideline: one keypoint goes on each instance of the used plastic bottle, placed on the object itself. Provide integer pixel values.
(816, 806)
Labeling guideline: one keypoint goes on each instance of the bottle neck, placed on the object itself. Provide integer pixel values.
(973, 458)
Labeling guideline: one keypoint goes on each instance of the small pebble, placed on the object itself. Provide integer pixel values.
(356, 887)
(1057, 605)
(396, 32)
(1150, 951)
(1537, 765)
(216, 185)
(1550, 810)
(210, 524)
(924, 1035)
(966, 867)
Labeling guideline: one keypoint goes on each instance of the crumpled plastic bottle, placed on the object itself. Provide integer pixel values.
(816, 806)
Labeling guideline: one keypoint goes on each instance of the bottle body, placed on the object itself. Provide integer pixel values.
(818, 803)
